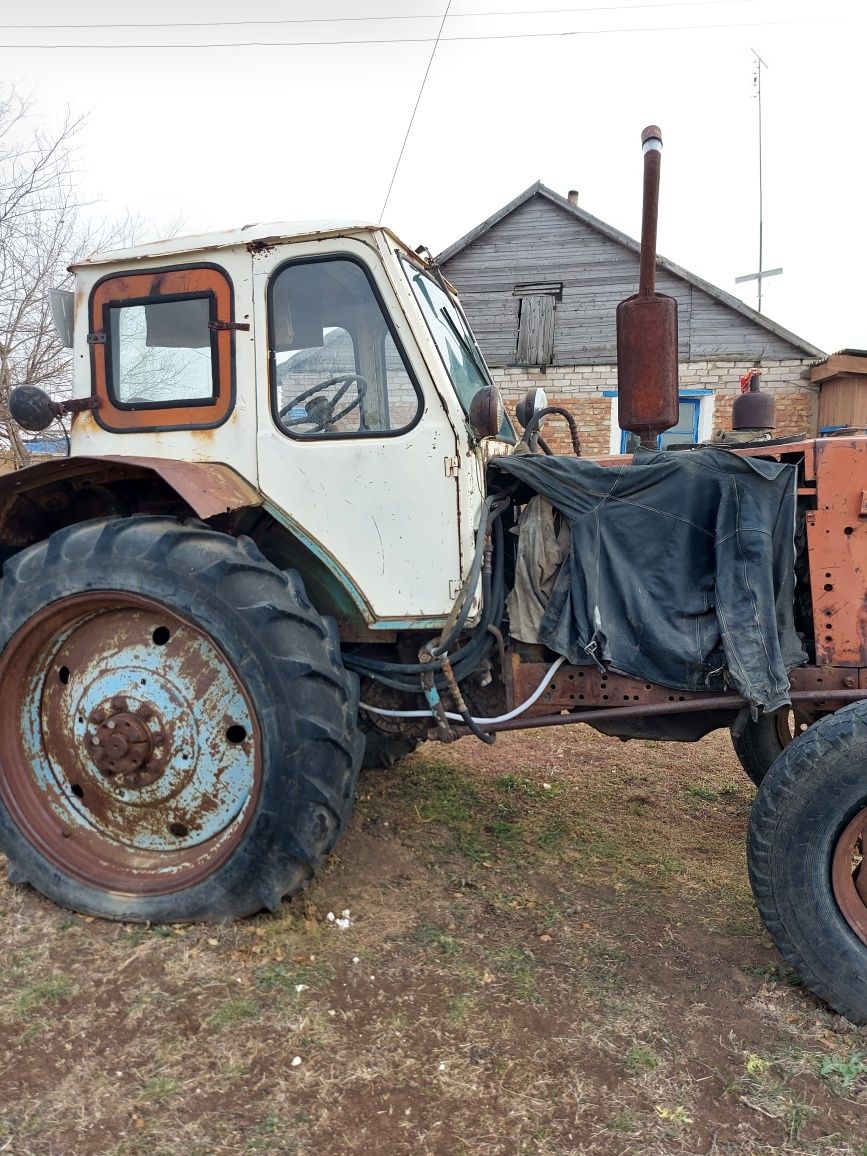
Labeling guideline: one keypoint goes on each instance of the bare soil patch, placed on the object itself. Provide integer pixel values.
(551, 949)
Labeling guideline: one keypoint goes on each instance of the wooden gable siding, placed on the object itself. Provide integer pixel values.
(541, 242)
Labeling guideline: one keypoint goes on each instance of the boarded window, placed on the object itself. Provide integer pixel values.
(536, 304)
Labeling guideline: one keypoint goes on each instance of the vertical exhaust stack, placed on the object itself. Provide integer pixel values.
(647, 326)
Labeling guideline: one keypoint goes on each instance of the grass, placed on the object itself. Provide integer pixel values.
(553, 952)
(639, 1059)
(235, 1010)
(51, 989)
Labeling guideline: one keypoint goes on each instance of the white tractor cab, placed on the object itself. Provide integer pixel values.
(322, 364)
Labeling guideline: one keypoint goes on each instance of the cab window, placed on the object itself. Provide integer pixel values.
(336, 368)
(162, 348)
(162, 353)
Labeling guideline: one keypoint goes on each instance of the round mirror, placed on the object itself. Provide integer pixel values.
(31, 408)
(530, 404)
(486, 412)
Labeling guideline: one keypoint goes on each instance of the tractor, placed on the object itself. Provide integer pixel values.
(294, 533)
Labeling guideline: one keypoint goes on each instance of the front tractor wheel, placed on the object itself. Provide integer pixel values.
(807, 854)
(762, 741)
(177, 731)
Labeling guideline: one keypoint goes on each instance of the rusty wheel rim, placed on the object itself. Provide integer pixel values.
(131, 756)
(790, 724)
(849, 874)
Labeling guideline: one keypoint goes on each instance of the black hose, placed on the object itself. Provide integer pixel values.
(532, 427)
(490, 739)
(450, 635)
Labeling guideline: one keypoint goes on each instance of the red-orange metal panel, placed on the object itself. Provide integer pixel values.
(837, 540)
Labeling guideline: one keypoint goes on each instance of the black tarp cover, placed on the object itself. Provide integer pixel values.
(681, 569)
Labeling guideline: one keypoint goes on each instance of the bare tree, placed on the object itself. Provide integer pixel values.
(44, 226)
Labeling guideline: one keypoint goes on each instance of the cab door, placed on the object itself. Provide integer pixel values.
(356, 449)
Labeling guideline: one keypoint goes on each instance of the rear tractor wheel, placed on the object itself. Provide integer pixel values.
(177, 732)
(807, 852)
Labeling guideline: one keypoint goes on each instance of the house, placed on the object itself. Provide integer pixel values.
(540, 281)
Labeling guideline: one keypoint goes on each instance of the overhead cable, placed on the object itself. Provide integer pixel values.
(438, 40)
(415, 110)
(367, 19)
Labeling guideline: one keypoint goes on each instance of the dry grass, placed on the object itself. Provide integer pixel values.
(553, 951)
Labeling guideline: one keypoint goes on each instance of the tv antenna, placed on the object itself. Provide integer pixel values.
(762, 273)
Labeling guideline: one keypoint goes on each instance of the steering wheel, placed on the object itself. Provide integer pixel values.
(322, 412)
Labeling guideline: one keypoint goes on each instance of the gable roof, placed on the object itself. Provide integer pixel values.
(727, 299)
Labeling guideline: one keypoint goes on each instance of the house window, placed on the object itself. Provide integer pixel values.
(694, 424)
(685, 433)
(536, 305)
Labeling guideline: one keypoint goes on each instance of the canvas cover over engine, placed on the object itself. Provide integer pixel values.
(680, 569)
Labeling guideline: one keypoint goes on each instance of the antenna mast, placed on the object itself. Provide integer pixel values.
(762, 273)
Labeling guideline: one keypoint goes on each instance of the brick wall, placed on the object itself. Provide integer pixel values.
(580, 387)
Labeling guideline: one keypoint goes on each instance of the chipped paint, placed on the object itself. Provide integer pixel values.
(132, 750)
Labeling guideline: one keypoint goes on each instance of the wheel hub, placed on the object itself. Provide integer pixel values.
(127, 746)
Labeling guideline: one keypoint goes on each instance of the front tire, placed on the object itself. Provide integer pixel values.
(762, 741)
(178, 734)
(807, 847)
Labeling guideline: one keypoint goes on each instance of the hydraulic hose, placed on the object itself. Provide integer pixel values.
(532, 428)
(453, 716)
(455, 624)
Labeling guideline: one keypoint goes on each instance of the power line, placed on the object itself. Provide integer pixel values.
(415, 109)
(441, 40)
(361, 19)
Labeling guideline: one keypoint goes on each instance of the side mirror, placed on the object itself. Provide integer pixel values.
(32, 408)
(62, 304)
(486, 412)
(534, 400)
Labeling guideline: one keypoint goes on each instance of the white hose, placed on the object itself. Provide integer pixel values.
(482, 722)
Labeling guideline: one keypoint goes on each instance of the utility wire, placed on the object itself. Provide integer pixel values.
(361, 19)
(415, 109)
(443, 39)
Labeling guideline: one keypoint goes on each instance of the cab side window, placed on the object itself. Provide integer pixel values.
(162, 348)
(336, 368)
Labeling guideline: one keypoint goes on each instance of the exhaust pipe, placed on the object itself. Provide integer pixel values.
(647, 326)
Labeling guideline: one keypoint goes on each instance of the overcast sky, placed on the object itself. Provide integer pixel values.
(262, 128)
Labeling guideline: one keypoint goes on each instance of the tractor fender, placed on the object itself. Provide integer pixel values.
(32, 499)
(38, 500)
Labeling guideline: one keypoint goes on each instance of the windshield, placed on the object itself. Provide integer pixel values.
(454, 338)
(455, 341)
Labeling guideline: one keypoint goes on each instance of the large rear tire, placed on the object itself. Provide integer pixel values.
(178, 735)
(807, 852)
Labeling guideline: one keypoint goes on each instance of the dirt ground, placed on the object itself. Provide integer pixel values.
(546, 947)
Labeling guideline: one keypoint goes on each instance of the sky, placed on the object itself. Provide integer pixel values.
(268, 123)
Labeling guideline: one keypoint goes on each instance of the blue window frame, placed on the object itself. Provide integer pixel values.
(684, 433)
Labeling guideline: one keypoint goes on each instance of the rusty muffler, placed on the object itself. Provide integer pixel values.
(647, 326)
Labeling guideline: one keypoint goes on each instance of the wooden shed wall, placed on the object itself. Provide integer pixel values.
(539, 241)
